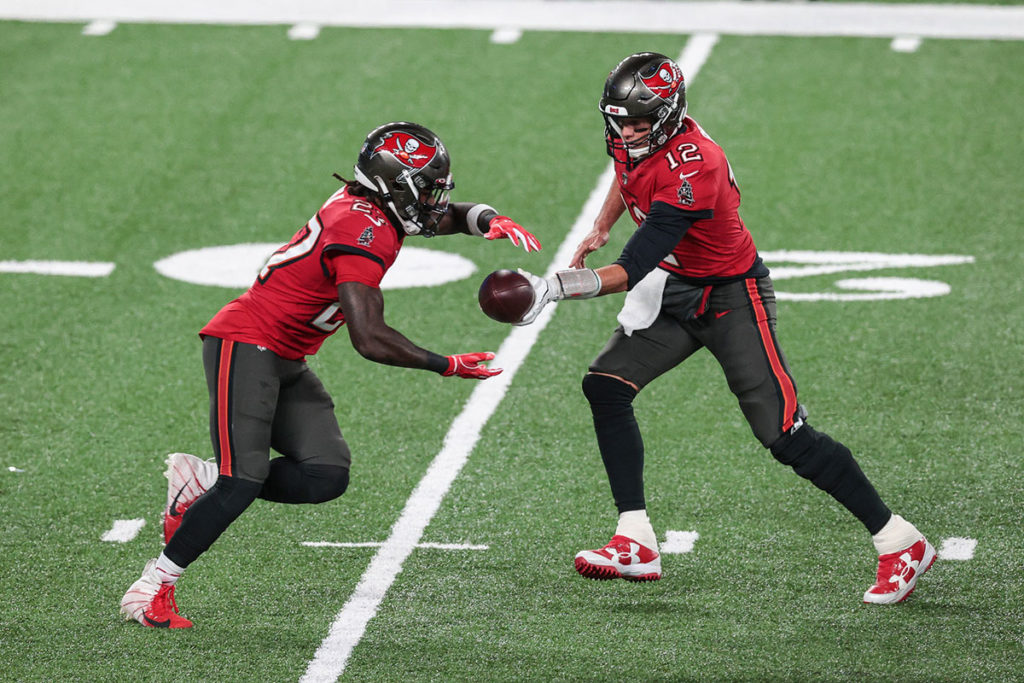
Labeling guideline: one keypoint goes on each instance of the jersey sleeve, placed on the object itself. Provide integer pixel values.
(352, 266)
(358, 247)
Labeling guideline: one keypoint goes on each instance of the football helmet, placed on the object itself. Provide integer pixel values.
(408, 167)
(644, 85)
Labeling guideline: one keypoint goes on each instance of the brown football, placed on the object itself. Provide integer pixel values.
(505, 296)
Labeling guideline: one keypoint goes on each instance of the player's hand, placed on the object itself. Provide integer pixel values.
(594, 240)
(544, 292)
(468, 365)
(504, 227)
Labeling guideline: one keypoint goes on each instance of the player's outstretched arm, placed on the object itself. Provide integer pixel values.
(374, 339)
(485, 221)
(575, 283)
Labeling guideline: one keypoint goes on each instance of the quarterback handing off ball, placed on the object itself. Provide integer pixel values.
(505, 296)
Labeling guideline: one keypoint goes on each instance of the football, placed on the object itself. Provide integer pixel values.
(505, 296)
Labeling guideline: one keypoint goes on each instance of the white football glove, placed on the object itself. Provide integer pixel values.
(544, 292)
(575, 283)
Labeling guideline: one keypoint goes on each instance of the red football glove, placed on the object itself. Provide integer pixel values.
(503, 226)
(468, 365)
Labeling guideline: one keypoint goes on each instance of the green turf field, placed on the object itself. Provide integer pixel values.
(156, 139)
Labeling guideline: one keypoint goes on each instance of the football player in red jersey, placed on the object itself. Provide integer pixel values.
(695, 280)
(263, 395)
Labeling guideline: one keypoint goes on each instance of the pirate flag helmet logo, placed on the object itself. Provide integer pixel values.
(407, 149)
(664, 79)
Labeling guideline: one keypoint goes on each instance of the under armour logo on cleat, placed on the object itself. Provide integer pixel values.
(627, 557)
(904, 571)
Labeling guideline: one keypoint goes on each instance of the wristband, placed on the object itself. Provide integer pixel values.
(579, 283)
(479, 217)
(437, 362)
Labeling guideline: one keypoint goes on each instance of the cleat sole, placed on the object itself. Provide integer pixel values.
(591, 571)
(599, 573)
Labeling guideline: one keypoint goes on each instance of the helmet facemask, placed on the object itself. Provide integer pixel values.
(407, 166)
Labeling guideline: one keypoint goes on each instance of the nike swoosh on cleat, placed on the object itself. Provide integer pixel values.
(157, 624)
(173, 511)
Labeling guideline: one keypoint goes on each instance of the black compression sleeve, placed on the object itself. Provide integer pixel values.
(660, 232)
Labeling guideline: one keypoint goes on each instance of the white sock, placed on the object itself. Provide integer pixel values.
(167, 570)
(637, 526)
(897, 534)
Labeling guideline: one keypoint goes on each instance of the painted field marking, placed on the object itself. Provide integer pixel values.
(506, 36)
(350, 623)
(124, 530)
(729, 17)
(74, 268)
(100, 27)
(304, 31)
(679, 542)
(905, 44)
(956, 548)
(378, 544)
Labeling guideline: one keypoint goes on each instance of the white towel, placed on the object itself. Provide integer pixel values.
(643, 302)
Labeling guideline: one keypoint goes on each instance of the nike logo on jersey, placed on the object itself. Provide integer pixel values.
(719, 314)
(684, 176)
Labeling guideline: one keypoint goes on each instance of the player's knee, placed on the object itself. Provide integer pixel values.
(325, 482)
(604, 390)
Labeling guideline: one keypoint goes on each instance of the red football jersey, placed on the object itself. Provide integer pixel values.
(691, 172)
(292, 307)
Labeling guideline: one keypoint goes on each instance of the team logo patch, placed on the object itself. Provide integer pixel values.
(665, 80)
(406, 148)
(366, 239)
(685, 193)
(625, 177)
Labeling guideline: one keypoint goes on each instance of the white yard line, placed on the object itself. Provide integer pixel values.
(733, 17)
(377, 544)
(350, 624)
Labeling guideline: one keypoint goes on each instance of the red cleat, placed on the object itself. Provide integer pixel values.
(151, 603)
(622, 558)
(898, 573)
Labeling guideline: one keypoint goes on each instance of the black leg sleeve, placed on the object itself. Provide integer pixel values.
(830, 466)
(618, 438)
(208, 517)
